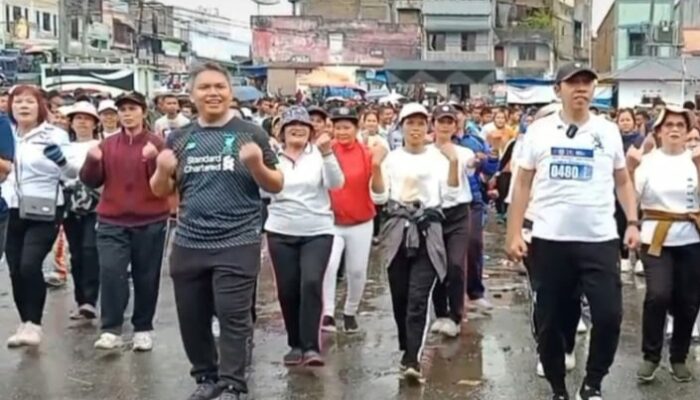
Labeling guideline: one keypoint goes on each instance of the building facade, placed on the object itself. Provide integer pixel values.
(633, 30)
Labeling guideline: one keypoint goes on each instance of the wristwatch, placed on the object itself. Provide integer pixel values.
(634, 223)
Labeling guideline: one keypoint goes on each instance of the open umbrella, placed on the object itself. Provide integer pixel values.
(247, 93)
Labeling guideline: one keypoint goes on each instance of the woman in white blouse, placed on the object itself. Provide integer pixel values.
(36, 206)
(300, 232)
(409, 182)
(666, 180)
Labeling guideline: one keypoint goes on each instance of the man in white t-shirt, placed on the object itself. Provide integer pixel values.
(570, 165)
(172, 119)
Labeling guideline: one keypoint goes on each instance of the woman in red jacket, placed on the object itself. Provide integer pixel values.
(354, 215)
(131, 224)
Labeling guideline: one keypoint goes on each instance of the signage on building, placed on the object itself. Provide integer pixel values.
(378, 53)
(171, 49)
(99, 31)
(299, 59)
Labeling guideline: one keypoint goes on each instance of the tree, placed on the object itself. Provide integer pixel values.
(540, 18)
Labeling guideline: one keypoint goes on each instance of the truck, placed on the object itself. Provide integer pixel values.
(114, 78)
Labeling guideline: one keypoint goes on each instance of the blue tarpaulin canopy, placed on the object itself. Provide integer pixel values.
(247, 93)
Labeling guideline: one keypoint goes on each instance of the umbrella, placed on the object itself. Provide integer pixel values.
(247, 93)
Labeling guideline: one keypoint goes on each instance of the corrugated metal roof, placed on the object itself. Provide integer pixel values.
(456, 7)
(658, 69)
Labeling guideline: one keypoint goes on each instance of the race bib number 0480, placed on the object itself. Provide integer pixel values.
(570, 172)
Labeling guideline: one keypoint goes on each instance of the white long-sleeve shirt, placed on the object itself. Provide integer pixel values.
(39, 176)
(303, 207)
(412, 177)
(465, 160)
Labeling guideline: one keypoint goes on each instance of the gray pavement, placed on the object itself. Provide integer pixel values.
(493, 359)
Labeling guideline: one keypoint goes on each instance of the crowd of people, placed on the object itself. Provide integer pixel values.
(583, 196)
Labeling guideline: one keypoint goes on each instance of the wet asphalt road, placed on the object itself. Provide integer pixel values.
(493, 359)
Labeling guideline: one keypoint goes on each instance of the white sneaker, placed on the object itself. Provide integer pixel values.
(31, 336)
(570, 361)
(639, 268)
(540, 369)
(143, 341)
(16, 339)
(450, 328)
(437, 326)
(215, 327)
(669, 326)
(481, 305)
(696, 331)
(581, 328)
(109, 341)
(625, 265)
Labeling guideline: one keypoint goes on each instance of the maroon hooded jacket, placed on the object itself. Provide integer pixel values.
(124, 174)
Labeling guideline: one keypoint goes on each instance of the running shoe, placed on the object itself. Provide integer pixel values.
(482, 305)
(436, 327)
(109, 341)
(16, 339)
(581, 328)
(206, 390)
(313, 359)
(680, 372)
(450, 329)
(350, 324)
(639, 268)
(589, 393)
(328, 324)
(31, 336)
(625, 265)
(647, 371)
(413, 372)
(294, 357)
(88, 311)
(143, 341)
(230, 395)
(75, 315)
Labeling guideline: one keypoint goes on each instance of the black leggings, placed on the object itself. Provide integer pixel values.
(28, 243)
(84, 263)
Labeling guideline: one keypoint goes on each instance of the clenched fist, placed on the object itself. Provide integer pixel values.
(167, 162)
(250, 154)
(448, 150)
(323, 142)
(95, 153)
(149, 151)
(379, 153)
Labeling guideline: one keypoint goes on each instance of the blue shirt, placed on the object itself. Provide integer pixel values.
(488, 167)
(7, 152)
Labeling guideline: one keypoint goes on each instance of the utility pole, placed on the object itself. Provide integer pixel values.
(140, 28)
(651, 43)
(86, 23)
(63, 29)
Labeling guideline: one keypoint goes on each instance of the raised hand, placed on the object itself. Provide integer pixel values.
(323, 142)
(250, 154)
(149, 151)
(167, 162)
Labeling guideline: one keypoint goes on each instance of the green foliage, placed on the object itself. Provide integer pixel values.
(539, 19)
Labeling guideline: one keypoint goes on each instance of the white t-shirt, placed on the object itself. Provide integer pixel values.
(668, 183)
(465, 159)
(164, 125)
(412, 177)
(573, 191)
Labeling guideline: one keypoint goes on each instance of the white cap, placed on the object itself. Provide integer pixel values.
(107, 105)
(548, 110)
(83, 107)
(246, 113)
(64, 110)
(412, 109)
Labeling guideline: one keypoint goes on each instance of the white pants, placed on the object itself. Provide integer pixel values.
(356, 242)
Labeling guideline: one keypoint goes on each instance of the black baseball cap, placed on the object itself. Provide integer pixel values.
(344, 113)
(569, 70)
(131, 97)
(457, 106)
(445, 110)
(318, 110)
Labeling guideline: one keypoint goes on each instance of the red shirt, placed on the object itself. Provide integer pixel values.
(352, 203)
(124, 173)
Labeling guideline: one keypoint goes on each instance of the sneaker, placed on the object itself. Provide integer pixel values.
(451, 329)
(647, 371)
(109, 341)
(313, 359)
(639, 268)
(143, 341)
(540, 369)
(350, 324)
(560, 397)
(230, 394)
(680, 372)
(625, 265)
(436, 327)
(482, 305)
(696, 330)
(215, 327)
(31, 336)
(581, 328)
(88, 311)
(328, 324)
(55, 280)
(412, 372)
(294, 357)
(669, 327)
(16, 339)
(75, 315)
(206, 390)
(589, 393)
(570, 361)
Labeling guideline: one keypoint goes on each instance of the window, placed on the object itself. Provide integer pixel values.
(46, 22)
(16, 13)
(121, 33)
(7, 18)
(55, 26)
(26, 14)
(38, 20)
(578, 34)
(74, 29)
(468, 41)
(437, 41)
(527, 52)
(335, 42)
(636, 44)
